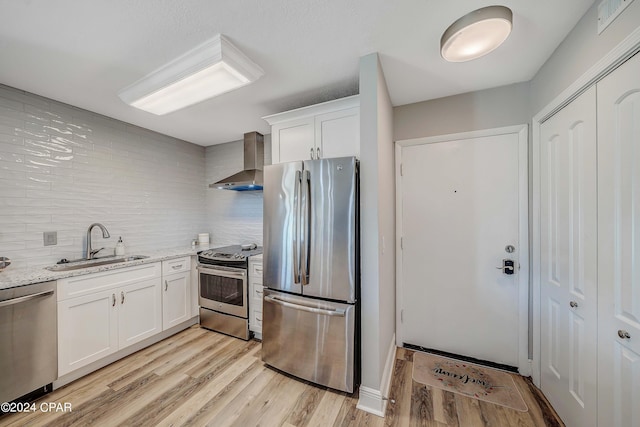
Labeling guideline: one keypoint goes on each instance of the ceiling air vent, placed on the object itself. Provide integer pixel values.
(609, 10)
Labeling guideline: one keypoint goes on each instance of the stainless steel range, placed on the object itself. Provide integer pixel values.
(222, 280)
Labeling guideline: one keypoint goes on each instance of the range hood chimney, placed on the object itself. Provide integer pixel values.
(250, 178)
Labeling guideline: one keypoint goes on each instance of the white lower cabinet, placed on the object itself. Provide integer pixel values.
(176, 293)
(255, 297)
(139, 313)
(87, 330)
(101, 313)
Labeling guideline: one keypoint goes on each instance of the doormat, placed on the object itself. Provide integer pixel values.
(468, 379)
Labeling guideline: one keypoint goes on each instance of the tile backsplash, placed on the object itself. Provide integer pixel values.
(233, 217)
(63, 168)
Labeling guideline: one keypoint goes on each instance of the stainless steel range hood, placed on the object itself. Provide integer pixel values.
(250, 178)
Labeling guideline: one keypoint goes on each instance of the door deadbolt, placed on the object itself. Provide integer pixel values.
(508, 266)
(509, 249)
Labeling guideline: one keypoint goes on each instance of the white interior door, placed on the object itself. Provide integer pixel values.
(462, 202)
(568, 267)
(619, 246)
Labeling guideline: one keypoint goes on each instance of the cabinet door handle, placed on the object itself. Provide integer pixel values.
(311, 153)
(122, 297)
(624, 334)
(258, 292)
(318, 153)
(166, 285)
(113, 300)
(259, 319)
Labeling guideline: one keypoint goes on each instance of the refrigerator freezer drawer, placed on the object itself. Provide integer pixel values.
(311, 339)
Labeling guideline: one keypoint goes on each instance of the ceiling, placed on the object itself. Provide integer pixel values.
(83, 52)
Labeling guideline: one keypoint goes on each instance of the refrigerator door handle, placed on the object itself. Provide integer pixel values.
(296, 228)
(337, 312)
(307, 228)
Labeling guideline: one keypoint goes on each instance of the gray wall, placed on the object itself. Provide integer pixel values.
(377, 221)
(232, 217)
(579, 51)
(485, 109)
(63, 168)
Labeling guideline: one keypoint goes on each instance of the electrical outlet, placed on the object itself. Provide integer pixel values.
(50, 238)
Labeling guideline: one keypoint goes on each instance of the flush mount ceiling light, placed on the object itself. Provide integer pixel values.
(476, 34)
(210, 69)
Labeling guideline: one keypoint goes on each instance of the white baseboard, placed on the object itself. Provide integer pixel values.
(387, 375)
(371, 401)
(375, 401)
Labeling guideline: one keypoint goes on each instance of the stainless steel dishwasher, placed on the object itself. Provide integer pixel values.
(28, 339)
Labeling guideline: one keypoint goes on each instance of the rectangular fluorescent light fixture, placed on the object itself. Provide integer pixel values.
(210, 69)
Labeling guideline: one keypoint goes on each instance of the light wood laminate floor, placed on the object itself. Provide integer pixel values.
(199, 377)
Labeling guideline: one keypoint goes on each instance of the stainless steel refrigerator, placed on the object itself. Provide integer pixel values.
(311, 270)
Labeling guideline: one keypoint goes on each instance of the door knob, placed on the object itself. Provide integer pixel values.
(508, 266)
(573, 304)
(624, 334)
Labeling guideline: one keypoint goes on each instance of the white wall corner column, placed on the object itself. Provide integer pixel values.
(377, 215)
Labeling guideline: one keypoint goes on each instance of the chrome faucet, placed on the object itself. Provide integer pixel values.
(91, 252)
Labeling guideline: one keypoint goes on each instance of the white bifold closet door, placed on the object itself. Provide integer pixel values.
(619, 246)
(568, 276)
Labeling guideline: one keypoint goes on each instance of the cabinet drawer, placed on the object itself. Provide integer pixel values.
(176, 265)
(255, 322)
(257, 294)
(255, 270)
(95, 282)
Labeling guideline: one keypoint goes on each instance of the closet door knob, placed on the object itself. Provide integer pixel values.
(624, 334)
(573, 304)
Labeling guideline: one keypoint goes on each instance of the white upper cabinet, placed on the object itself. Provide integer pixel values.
(330, 129)
(292, 140)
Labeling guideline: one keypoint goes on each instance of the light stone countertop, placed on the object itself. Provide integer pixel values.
(11, 278)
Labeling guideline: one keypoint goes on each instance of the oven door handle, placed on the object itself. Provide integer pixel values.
(240, 274)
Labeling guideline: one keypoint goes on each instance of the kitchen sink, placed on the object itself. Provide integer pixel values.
(86, 263)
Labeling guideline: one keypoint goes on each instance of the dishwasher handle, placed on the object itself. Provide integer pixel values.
(25, 298)
(276, 300)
